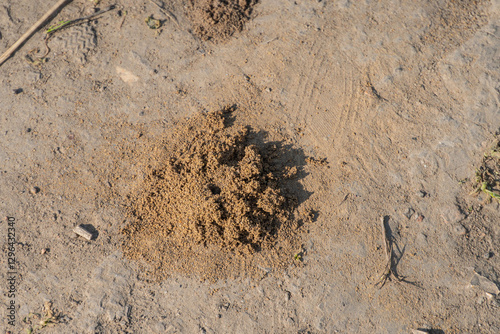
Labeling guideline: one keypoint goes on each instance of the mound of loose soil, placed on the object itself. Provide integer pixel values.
(219, 19)
(213, 193)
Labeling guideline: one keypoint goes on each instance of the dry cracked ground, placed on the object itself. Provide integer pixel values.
(402, 99)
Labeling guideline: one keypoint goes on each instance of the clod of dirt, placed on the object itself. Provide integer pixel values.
(213, 195)
(219, 19)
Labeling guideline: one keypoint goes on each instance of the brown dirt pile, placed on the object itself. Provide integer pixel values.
(213, 193)
(219, 19)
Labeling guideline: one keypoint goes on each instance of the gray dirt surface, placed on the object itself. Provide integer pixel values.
(402, 98)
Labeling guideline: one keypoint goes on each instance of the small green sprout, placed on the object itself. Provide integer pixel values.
(484, 188)
(58, 26)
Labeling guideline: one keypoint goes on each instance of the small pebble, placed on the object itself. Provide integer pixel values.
(44, 250)
(34, 76)
(18, 91)
(34, 190)
(288, 295)
(452, 215)
(419, 218)
(484, 284)
(421, 193)
(488, 255)
(409, 213)
(83, 232)
(459, 229)
(421, 240)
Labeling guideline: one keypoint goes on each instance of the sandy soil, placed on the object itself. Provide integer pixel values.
(400, 97)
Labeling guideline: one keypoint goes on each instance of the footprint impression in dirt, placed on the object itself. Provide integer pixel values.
(218, 203)
(217, 20)
(75, 42)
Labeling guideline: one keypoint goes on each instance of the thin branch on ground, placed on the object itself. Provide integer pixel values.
(10, 51)
(390, 273)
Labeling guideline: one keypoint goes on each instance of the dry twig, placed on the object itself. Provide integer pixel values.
(32, 30)
(389, 272)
